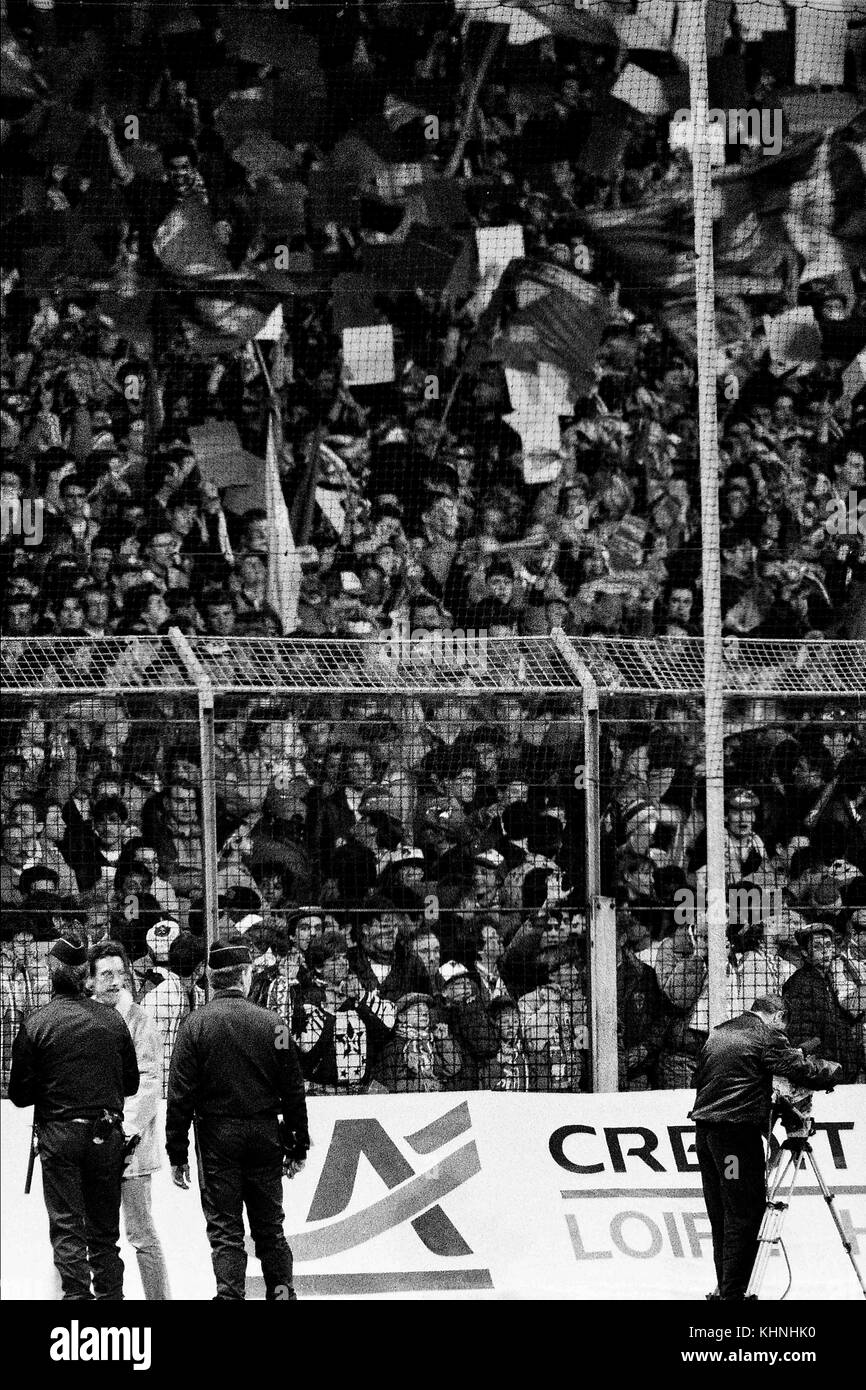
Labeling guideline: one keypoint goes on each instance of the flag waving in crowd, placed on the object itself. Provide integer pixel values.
(778, 223)
(284, 565)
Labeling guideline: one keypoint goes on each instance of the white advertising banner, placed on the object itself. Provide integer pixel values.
(492, 1196)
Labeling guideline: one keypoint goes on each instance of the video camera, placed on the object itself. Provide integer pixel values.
(794, 1109)
(793, 1104)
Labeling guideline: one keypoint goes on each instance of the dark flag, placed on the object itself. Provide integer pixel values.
(226, 305)
(557, 317)
(304, 501)
(778, 221)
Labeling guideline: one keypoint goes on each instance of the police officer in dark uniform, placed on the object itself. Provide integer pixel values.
(74, 1060)
(734, 1081)
(234, 1070)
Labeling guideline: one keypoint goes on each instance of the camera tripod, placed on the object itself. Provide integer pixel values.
(782, 1170)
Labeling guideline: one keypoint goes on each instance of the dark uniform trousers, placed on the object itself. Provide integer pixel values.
(731, 1158)
(241, 1164)
(81, 1184)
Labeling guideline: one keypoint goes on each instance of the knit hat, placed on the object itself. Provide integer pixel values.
(185, 953)
(300, 914)
(224, 957)
(639, 814)
(252, 919)
(161, 937)
(810, 929)
(448, 972)
(403, 854)
(407, 1000)
(743, 798)
(69, 952)
(238, 898)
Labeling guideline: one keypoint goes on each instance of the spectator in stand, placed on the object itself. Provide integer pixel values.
(381, 957)
(163, 996)
(552, 1040)
(471, 1037)
(186, 961)
(411, 1061)
(97, 859)
(681, 970)
(508, 1070)
(279, 971)
(176, 837)
(814, 1007)
(25, 982)
(643, 1016)
(137, 851)
(341, 1028)
(38, 848)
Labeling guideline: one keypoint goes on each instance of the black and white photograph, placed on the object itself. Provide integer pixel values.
(433, 658)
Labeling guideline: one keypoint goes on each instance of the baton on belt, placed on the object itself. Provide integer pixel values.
(202, 1178)
(31, 1162)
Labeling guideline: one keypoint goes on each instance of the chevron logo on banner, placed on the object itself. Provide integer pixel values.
(414, 1195)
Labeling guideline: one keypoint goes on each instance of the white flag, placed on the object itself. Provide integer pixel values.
(284, 565)
(536, 403)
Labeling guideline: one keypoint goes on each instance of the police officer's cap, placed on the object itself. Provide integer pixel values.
(69, 952)
(224, 957)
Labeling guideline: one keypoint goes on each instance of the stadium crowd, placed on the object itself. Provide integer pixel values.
(411, 879)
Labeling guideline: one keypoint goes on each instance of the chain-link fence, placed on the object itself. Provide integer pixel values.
(486, 871)
(794, 843)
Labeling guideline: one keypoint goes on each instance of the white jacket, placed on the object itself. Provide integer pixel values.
(166, 1005)
(140, 1111)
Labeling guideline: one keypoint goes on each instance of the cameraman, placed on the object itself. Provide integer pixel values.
(734, 1082)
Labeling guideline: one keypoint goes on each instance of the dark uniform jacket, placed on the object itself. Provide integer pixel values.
(734, 1077)
(231, 1059)
(73, 1058)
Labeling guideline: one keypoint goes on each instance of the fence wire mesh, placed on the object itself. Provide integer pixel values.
(409, 870)
(359, 346)
(795, 841)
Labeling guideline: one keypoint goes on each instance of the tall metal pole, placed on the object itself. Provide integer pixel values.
(693, 15)
(601, 914)
(207, 746)
(210, 842)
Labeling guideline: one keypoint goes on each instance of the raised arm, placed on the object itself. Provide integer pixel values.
(119, 166)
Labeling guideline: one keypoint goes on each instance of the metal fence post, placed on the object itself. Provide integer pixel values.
(207, 744)
(603, 1012)
(601, 923)
(694, 21)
